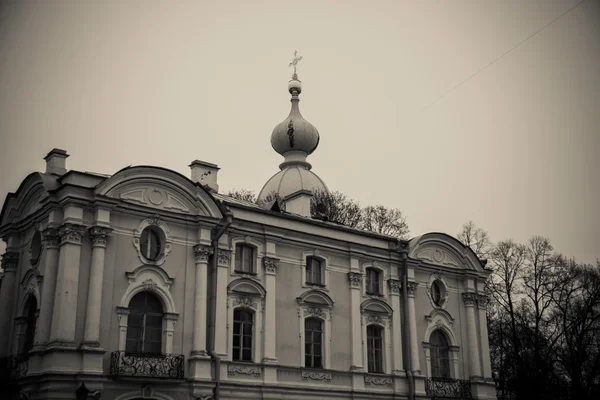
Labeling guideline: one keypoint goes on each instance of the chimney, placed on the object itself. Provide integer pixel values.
(56, 162)
(299, 202)
(205, 174)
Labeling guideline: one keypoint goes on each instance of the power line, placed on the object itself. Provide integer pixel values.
(495, 60)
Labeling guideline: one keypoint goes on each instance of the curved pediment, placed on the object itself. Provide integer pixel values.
(246, 286)
(315, 297)
(28, 197)
(443, 250)
(376, 306)
(162, 189)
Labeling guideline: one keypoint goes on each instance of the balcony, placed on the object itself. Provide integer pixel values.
(441, 388)
(146, 365)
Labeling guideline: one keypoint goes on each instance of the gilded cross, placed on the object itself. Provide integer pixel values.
(295, 62)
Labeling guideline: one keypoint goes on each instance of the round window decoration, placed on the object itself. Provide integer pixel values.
(438, 293)
(36, 247)
(151, 243)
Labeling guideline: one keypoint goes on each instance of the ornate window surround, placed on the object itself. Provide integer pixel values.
(325, 265)
(248, 294)
(258, 256)
(383, 284)
(31, 287)
(155, 280)
(440, 319)
(445, 295)
(317, 304)
(377, 312)
(36, 241)
(163, 230)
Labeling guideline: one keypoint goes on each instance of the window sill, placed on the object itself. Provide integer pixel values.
(374, 294)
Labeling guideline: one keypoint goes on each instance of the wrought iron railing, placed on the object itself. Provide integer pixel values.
(441, 388)
(147, 365)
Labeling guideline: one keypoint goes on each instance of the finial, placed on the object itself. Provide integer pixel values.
(294, 63)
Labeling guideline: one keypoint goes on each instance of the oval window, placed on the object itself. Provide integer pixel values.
(151, 243)
(36, 247)
(437, 293)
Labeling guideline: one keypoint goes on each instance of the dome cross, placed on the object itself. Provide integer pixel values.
(294, 63)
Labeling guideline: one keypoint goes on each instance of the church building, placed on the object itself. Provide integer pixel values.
(147, 284)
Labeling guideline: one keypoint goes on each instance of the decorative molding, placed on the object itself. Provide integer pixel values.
(374, 319)
(270, 265)
(411, 288)
(437, 255)
(233, 370)
(377, 381)
(149, 284)
(445, 294)
(244, 301)
(149, 277)
(203, 253)
(482, 301)
(355, 279)
(223, 258)
(395, 286)
(156, 221)
(315, 311)
(470, 299)
(316, 376)
(10, 261)
(50, 238)
(71, 233)
(100, 235)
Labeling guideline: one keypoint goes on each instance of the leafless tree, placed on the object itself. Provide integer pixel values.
(387, 221)
(336, 207)
(477, 239)
(242, 194)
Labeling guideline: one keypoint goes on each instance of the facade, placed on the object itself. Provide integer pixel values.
(110, 282)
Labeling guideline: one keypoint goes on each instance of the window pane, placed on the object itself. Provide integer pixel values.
(236, 340)
(152, 347)
(247, 355)
(247, 342)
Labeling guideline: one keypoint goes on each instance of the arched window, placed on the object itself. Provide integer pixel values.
(375, 348)
(243, 333)
(151, 243)
(313, 343)
(30, 319)
(373, 281)
(145, 324)
(440, 364)
(314, 271)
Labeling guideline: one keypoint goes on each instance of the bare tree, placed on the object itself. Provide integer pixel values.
(477, 239)
(336, 207)
(387, 221)
(242, 194)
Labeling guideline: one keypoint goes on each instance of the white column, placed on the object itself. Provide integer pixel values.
(223, 260)
(10, 262)
(270, 267)
(412, 321)
(355, 279)
(470, 300)
(67, 284)
(482, 302)
(395, 286)
(202, 254)
(99, 236)
(50, 239)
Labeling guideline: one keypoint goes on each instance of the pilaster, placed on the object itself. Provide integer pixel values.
(355, 282)
(51, 241)
(223, 261)
(395, 287)
(62, 333)
(482, 302)
(10, 262)
(270, 265)
(412, 321)
(202, 254)
(470, 300)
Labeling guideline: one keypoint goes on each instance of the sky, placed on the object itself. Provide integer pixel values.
(448, 110)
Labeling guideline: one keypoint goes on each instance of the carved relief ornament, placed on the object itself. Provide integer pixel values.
(100, 235)
(316, 376)
(202, 253)
(482, 301)
(223, 258)
(233, 370)
(270, 265)
(412, 288)
(395, 286)
(377, 381)
(355, 279)
(50, 237)
(10, 261)
(470, 299)
(71, 233)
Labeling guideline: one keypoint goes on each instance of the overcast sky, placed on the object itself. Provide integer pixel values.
(449, 110)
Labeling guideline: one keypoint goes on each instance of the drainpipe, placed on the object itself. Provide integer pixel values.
(406, 334)
(212, 301)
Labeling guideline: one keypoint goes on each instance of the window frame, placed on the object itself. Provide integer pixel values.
(239, 249)
(310, 273)
(241, 335)
(315, 303)
(146, 245)
(309, 336)
(378, 361)
(369, 281)
(144, 328)
(325, 268)
(440, 356)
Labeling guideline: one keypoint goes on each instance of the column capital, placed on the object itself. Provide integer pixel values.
(10, 261)
(100, 235)
(411, 288)
(71, 233)
(223, 258)
(395, 286)
(270, 265)
(470, 299)
(482, 301)
(355, 279)
(202, 253)
(50, 238)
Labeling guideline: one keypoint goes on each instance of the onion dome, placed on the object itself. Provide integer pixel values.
(295, 139)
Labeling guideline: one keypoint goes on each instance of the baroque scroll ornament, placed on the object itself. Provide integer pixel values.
(355, 279)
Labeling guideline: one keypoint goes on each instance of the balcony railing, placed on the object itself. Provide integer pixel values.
(147, 365)
(441, 388)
